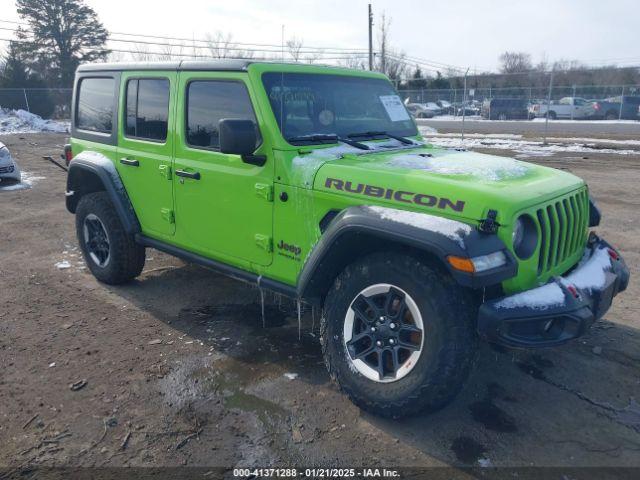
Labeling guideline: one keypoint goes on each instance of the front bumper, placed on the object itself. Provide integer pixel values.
(560, 310)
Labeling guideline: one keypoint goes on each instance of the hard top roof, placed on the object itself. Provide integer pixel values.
(233, 65)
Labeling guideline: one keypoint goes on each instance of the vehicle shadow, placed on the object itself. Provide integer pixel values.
(572, 405)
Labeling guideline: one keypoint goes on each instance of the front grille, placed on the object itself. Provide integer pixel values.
(563, 224)
(8, 169)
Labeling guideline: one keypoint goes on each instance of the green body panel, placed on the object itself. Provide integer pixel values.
(235, 213)
(149, 189)
(225, 214)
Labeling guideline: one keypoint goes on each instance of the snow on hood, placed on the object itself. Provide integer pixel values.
(485, 167)
(306, 165)
(449, 228)
(21, 121)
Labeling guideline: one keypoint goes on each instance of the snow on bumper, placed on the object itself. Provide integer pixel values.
(560, 310)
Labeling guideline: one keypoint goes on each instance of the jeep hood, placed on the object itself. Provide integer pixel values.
(447, 181)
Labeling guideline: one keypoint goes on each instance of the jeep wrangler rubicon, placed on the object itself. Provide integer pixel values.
(314, 182)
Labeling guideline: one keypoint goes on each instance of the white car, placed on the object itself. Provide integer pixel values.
(9, 171)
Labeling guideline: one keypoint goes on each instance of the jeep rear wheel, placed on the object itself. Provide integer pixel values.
(398, 335)
(109, 251)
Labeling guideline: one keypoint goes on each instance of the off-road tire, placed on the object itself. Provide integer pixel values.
(126, 256)
(450, 342)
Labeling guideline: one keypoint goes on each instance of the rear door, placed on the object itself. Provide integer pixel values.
(224, 206)
(145, 147)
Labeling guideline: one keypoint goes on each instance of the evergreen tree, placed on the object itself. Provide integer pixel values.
(62, 34)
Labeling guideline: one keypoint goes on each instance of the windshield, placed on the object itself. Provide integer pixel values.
(314, 104)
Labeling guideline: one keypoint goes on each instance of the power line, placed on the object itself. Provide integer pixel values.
(191, 40)
(186, 55)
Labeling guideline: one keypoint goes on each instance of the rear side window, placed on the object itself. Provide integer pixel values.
(208, 102)
(95, 104)
(147, 111)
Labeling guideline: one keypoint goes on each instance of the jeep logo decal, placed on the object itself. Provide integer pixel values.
(397, 195)
(296, 250)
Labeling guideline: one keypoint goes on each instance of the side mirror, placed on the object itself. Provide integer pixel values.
(239, 137)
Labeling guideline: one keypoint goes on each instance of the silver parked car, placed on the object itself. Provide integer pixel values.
(9, 171)
(420, 110)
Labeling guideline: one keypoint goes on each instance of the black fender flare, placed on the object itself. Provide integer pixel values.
(349, 232)
(91, 172)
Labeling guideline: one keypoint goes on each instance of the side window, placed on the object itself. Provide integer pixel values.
(147, 108)
(95, 105)
(208, 102)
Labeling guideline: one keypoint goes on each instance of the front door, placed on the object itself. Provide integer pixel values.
(224, 206)
(145, 148)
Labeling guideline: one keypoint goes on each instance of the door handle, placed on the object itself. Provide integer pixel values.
(130, 161)
(192, 175)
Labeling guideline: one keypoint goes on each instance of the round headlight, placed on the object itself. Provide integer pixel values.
(525, 236)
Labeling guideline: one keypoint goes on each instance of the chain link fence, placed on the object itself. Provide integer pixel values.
(623, 99)
(49, 103)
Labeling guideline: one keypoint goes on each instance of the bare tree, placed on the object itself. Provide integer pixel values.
(220, 45)
(294, 46)
(312, 57)
(383, 41)
(141, 53)
(354, 61)
(515, 62)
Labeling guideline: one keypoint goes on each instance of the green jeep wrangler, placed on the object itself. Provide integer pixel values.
(315, 183)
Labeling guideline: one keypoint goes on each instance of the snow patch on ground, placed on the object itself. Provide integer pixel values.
(21, 121)
(449, 228)
(27, 180)
(483, 167)
(526, 148)
(478, 118)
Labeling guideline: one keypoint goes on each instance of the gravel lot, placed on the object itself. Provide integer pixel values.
(179, 370)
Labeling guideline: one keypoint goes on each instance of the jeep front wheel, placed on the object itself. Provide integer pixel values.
(398, 335)
(109, 251)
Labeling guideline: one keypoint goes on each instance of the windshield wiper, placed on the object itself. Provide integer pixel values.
(404, 140)
(329, 137)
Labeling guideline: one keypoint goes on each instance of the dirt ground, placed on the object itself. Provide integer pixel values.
(179, 370)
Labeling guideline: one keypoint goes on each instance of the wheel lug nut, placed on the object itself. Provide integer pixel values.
(379, 343)
(392, 326)
(373, 329)
(382, 319)
(391, 341)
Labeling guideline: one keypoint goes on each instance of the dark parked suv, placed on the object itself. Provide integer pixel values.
(504, 109)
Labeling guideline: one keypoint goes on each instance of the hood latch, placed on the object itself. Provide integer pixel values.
(489, 224)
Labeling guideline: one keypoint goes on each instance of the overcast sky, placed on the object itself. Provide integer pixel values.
(466, 33)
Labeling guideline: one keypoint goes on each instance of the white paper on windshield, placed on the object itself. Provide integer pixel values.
(394, 107)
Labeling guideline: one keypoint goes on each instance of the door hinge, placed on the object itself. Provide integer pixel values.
(167, 214)
(265, 191)
(264, 242)
(165, 171)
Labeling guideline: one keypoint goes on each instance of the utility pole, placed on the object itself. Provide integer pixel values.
(546, 120)
(370, 38)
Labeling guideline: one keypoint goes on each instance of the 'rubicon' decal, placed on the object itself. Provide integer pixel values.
(397, 195)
